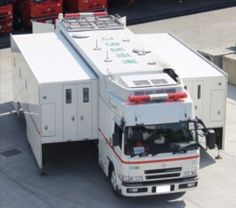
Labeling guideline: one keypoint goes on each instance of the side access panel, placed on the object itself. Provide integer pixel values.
(79, 111)
(216, 113)
(84, 111)
(48, 120)
(70, 112)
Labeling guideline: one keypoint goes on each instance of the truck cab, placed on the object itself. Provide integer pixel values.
(154, 147)
(165, 161)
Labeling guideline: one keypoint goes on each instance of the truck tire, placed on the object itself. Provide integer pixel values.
(113, 181)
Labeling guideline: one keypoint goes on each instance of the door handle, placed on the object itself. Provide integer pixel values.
(73, 118)
(82, 118)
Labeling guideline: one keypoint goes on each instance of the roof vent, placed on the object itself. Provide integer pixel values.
(141, 82)
(96, 46)
(80, 36)
(107, 58)
(158, 81)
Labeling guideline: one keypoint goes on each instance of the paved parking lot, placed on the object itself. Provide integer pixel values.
(74, 178)
(209, 30)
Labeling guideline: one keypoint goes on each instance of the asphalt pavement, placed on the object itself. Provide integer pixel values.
(150, 10)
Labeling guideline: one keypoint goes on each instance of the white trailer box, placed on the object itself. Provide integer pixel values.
(57, 91)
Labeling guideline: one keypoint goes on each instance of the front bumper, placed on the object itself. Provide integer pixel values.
(158, 187)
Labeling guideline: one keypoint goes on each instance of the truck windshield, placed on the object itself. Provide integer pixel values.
(162, 138)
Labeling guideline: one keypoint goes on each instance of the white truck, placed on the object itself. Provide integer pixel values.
(143, 97)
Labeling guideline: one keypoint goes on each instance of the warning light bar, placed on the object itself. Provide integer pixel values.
(175, 96)
(85, 14)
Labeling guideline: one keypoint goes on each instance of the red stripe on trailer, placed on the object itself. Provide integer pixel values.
(148, 161)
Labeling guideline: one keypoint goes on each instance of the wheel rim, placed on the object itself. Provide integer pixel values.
(113, 180)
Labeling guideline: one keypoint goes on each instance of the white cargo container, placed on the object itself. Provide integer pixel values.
(137, 94)
(56, 89)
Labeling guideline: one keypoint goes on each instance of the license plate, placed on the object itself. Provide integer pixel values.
(163, 189)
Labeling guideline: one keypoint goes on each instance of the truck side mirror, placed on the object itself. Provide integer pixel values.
(210, 139)
(115, 139)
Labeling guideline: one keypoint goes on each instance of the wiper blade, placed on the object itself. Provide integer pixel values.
(186, 148)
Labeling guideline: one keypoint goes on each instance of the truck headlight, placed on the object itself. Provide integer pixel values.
(132, 178)
(190, 173)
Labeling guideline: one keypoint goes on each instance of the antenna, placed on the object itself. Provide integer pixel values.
(107, 58)
(96, 46)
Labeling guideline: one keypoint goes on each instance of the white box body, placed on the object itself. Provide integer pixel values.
(42, 75)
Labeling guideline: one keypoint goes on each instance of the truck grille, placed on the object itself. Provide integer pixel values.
(162, 173)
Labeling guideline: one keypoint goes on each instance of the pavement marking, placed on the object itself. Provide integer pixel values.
(7, 113)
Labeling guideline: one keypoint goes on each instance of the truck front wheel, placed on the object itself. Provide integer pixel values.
(113, 180)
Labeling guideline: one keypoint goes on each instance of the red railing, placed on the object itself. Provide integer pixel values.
(85, 5)
(6, 18)
(41, 11)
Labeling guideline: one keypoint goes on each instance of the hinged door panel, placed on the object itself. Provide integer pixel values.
(217, 105)
(70, 112)
(48, 120)
(84, 111)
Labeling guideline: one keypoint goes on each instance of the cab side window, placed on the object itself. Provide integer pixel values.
(118, 130)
